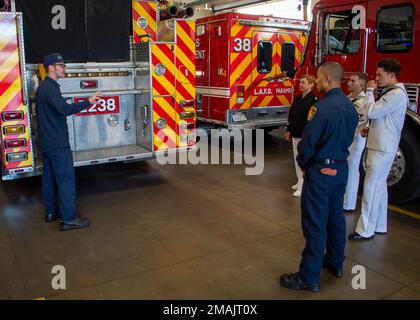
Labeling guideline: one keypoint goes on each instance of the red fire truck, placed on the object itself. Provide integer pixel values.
(244, 66)
(391, 29)
(140, 54)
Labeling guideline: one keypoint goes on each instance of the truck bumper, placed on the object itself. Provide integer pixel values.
(256, 118)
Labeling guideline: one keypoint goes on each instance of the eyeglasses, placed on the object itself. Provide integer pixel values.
(60, 64)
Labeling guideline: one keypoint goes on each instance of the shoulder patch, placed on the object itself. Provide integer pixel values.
(311, 112)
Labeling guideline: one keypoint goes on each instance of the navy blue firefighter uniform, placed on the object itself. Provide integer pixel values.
(58, 182)
(322, 154)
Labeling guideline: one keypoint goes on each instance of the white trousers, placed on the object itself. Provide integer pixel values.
(295, 142)
(375, 193)
(356, 151)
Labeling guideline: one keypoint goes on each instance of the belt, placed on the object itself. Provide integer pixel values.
(330, 161)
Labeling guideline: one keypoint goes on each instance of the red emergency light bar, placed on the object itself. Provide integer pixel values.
(187, 103)
(88, 84)
(15, 143)
(240, 91)
(12, 115)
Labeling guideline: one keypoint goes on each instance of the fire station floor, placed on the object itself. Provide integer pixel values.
(188, 232)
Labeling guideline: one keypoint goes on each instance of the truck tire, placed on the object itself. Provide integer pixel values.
(404, 177)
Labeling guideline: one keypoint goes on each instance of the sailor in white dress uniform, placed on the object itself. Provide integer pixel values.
(387, 117)
(356, 86)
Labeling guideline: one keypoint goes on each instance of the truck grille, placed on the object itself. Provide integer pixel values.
(413, 93)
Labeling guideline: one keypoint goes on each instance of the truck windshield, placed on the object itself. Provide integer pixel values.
(339, 36)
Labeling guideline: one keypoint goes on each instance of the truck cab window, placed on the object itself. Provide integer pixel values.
(265, 56)
(395, 29)
(339, 36)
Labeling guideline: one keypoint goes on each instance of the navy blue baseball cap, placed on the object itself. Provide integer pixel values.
(52, 58)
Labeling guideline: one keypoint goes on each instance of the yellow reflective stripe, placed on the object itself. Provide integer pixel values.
(10, 93)
(287, 38)
(164, 82)
(9, 64)
(266, 101)
(170, 67)
(233, 57)
(247, 103)
(235, 29)
(185, 61)
(168, 131)
(283, 100)
(137, 29)
(240, 69)
(163, 104)
(187, 87)
(232, 100)
(186, 38)
(143, 13)
(247, 84)
(302, 40)
(8, 35)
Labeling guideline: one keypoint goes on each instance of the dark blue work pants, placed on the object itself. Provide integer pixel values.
(58, 183)
(323, 222)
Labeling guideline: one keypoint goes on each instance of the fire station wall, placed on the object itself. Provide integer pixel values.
(81, 30)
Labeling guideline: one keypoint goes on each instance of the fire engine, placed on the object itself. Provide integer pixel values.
(358, 33)
(140, 54)
(244, 66)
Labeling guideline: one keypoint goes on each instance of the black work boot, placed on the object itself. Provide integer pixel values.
(293, 281)
(74, 224)
(51, 217)
(337, 271)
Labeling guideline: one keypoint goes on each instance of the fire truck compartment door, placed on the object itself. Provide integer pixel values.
(15, 130)
(265, 68)
(97, 131)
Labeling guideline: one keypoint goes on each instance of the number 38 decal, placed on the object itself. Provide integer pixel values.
(242, 44)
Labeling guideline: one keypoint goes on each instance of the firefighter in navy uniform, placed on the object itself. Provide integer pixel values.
(58, 181)
(322, 155)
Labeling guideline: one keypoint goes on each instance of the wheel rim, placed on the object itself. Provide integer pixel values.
(397, 169)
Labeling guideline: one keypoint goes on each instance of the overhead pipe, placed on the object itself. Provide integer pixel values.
(185, 12)
(169, 13)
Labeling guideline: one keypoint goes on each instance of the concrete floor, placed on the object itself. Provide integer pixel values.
(188, 232)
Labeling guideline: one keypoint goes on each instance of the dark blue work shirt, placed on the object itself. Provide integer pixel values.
(329, 131)
(52, 110)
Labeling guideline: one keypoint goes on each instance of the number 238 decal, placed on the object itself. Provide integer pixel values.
(242, 44)
(105, 105)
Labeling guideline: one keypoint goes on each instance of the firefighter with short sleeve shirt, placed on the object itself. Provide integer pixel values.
(322, 155)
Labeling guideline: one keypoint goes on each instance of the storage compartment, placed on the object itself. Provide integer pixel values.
(120, 126)
(123, 134)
